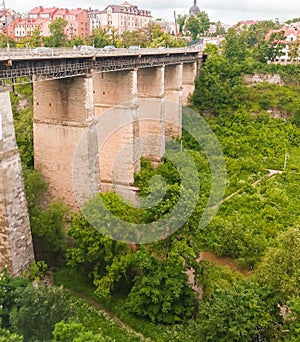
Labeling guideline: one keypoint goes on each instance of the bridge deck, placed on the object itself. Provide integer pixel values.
(56, 63)
(58, 53)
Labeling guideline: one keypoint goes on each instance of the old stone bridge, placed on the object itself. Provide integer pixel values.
(71, 91)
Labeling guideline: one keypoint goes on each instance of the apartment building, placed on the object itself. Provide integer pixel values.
(124, 17)
(77, 22)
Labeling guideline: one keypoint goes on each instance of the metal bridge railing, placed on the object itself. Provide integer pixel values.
(25, 53)
(28, 67)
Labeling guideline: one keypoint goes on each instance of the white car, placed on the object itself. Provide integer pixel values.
(86, 48)
(109, 47)
(42, 51)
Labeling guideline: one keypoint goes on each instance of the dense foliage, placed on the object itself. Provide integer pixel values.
(51, 314)
(257, 224)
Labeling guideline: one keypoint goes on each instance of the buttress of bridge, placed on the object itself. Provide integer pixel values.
(16, 250)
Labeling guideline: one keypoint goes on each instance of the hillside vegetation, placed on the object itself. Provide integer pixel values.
(256, 226)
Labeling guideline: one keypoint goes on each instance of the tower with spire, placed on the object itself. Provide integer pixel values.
(194, 10)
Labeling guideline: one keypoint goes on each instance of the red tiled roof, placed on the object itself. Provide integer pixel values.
(287, 32)
(22, 21)
(42, 9)
(248, 22)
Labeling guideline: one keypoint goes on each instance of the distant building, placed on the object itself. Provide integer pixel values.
(290, 35)
(217, 27)
(124, 17)
(78, 20)
(23, 27)
(6, 17)
(78, 24)
(95, 19)
(168, 26)
(194, 10)
(246, 23)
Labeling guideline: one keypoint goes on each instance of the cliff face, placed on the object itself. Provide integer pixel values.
(263, 78)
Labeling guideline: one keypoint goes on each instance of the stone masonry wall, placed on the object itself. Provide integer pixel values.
(134, 111)
(16, 250)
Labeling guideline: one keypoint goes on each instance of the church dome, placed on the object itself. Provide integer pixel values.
(194, 10)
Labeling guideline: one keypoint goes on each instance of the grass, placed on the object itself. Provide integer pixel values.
(76, 281)
(92, 318)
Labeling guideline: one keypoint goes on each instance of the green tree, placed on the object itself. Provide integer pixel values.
(181, 19)
(235, 47)
(35, 188)
(4, 40)
(197, 25)
(280, 267)
(57, 38)
(105, 259)
(219, 86)
(134, 38)
(192, 25)
(9, 287)
(294, 50)
(258, 31)
(291, 319)
(48, 230)
(77, 41)
(243, 313)
(220, 30)
(275, 45)
(76, 332)
(65, 332)
(24, 135)
(101, 38)
(162, 292)
(294, 20)
(35, 39)
(39, 309)
(7, 336)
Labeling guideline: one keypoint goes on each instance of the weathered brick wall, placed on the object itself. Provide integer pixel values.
(16, 250)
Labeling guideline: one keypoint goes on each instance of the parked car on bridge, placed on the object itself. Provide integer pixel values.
(134, 48)
(42, 51)
(109, 47)
(86, 48)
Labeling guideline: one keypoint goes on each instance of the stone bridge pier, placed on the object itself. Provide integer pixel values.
(117, 117)
(16, 250)
(189, 73)
(63, 110)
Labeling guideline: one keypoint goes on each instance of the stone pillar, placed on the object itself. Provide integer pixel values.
(113, 88)
(16, 251)
(189, 73)
(115, 96)
(173, 103)
(151, 113)
(63, 111)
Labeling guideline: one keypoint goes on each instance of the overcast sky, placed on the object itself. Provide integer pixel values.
(227, 11)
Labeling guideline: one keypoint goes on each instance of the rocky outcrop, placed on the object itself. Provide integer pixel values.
(263, 78)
